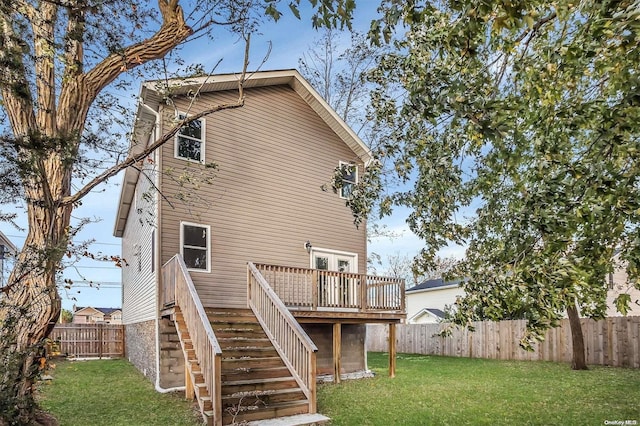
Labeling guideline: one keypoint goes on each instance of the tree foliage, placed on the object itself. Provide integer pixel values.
(515, 128)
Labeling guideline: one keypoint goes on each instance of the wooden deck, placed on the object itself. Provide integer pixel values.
(314, 295)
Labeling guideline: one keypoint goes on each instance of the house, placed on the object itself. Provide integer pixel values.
(259, 285)
(616, 285)
(428, 301)
(7, 252)
(91, 315)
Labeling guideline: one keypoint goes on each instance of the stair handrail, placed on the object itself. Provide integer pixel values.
(203, 339)
(292, 343)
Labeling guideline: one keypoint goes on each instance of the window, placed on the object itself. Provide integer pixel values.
(195, 246)
(349, 178)
(190, 140)
(610, 284)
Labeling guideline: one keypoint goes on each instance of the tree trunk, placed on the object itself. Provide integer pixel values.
(30, 305)
(578, 361)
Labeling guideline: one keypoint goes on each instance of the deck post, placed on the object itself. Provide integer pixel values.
(337, 351)
(392, 349)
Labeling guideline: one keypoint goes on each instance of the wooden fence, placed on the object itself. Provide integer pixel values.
(612, 341)
(89, 340)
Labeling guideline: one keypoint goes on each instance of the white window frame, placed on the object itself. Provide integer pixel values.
(176, 141)
(208, 242)
(355, 167)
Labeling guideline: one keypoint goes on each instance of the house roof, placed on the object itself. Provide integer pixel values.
(434, 312)
(7, 243)
(105, 311)
(151, 98)
(435, 284)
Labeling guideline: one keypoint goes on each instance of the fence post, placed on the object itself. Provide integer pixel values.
(100, 339)
(392, 349)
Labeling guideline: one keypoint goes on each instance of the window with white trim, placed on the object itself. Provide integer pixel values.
(189, 144)
(349, 178)
(195, 246)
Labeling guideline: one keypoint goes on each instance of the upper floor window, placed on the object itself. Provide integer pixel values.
(195, 247)
(189, 143)
(349, 178)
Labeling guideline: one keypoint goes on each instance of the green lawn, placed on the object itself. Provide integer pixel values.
(109, 393)
(431, 390)
(426, 391)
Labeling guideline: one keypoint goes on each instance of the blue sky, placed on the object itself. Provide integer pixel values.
(290, 38)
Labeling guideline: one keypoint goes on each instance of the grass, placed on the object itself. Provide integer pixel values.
(459, 391)
(426, 391)
(110, 392)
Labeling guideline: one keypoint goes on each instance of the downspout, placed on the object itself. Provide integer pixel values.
(157, 260)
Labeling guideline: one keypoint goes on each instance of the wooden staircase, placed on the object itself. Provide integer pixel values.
(255, 382)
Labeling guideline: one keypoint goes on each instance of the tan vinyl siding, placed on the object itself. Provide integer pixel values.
(274, 155)
(139, 297)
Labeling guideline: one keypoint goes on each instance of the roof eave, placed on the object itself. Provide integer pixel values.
(7, 242)
(444, 287)
(138, 142)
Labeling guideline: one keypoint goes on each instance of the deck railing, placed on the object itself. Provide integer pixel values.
(203, 339)
(290, 340)
(319, 289)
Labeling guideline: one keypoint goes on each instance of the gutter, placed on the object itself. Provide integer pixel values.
(158, 388)
(444, 287)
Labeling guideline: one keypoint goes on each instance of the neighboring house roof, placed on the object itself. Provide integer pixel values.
(434, 312)
(151, 98)
(9, 246)
(435, 284)
(105, 311)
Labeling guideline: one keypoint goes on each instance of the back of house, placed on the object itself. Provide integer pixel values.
(273, 159)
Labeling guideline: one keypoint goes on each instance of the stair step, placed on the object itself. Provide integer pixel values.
(229, 364)
(229, 311)
(269, 397)
(232, 386)
(296, 420)
(249, 352)
(217, 323)
(247, 334)
(242, 373)
(269, 412)
(206, 403)
(200, 390)
(230, 342)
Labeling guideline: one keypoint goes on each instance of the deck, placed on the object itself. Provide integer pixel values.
(314, 295)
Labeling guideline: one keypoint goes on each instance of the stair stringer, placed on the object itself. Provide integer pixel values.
(195, 387)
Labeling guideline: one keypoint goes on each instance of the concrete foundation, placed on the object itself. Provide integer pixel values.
(140, 347)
